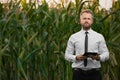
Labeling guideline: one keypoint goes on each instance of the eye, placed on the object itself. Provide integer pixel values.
(89, 18)
(84, 18)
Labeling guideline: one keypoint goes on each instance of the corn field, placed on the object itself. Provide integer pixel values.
(33, 39)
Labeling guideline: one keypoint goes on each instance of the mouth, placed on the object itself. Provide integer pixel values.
(86, 24)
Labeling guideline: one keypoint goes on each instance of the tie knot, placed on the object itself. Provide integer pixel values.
(86, 32)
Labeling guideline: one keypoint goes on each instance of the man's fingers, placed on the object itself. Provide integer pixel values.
(80, 57)
(95, 57)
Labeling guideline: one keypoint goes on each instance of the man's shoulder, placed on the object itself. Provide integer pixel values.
(96, 33)
(76, 34)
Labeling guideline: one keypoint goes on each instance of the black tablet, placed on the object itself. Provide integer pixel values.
(90, 54)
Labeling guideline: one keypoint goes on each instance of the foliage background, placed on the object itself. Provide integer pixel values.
(33, 39)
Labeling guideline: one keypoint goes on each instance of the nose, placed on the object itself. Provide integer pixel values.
(86, 21)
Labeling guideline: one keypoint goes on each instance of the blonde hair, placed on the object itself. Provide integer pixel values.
(87, 11)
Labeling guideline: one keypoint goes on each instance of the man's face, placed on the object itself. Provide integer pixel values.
(86, 20)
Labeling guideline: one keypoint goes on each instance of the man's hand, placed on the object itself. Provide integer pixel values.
(97, 57)
(80, 57)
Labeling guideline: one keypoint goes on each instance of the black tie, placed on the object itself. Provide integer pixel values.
(86, 47)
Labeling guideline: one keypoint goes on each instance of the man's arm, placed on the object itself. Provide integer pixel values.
(69, 53)
(103, 50)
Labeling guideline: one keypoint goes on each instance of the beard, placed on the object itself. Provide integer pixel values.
(86, 26)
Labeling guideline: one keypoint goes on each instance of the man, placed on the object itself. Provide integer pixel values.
(86, 49)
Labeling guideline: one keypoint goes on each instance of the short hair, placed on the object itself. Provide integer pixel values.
(87, 11)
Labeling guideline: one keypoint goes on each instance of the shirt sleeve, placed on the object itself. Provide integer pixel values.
(104, 53)
(69, 53)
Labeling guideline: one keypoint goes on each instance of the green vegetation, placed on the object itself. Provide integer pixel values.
(33, 40)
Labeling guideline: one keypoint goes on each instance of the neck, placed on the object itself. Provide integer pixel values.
(86, 29)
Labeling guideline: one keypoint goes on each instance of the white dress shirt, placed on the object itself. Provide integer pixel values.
(75, 46)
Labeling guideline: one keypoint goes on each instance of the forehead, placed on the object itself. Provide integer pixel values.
(85, 14)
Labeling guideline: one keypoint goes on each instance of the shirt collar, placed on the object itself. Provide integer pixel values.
(89, 31)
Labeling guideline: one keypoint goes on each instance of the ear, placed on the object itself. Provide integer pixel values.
(80, 21)
(92, 21)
